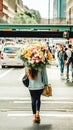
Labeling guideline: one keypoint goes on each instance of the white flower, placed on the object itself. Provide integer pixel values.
(36, 55)
(31, 61)
(45, 54)
(37, 61)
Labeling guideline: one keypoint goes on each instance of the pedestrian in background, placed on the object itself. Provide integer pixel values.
(61, 54)
(37, 81)
(68, 53)
(53, 50)
(48, 46)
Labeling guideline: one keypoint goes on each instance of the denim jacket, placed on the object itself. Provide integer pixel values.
(39, 82)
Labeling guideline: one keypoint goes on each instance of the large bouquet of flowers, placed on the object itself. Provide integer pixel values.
(35, 55)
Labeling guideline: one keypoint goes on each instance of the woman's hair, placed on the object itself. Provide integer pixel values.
(32, 73)
(62, 48)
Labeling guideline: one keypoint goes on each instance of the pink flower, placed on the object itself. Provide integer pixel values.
(37, 59)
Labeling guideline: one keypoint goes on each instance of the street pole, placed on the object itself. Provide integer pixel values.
(48, 11)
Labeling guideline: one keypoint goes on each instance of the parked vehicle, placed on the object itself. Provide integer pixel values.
(9, 43)
(9, 56)
(0, 45)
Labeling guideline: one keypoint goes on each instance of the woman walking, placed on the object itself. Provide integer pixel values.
(36, 56)
(37, 81)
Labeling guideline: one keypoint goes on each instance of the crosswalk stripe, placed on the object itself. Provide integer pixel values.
(54, 102)
(45, 115)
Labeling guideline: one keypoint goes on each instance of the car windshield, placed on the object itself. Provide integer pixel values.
(11, 49)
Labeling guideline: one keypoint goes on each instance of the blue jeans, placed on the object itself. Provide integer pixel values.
(68, 69)
(61, 66)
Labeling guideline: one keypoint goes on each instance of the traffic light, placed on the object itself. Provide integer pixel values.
(66, 34)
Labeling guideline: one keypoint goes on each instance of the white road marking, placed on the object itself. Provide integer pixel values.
(45, 115)
(54, 102)
(21, 76)
(51, 99)
(5, 73)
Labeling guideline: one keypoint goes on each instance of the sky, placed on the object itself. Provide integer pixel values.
(40, 5)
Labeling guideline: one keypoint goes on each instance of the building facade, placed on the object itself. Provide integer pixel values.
(69, 12)
(1, 8)
(59, 12)
(19, 5)
(48, 11)
(8, 8)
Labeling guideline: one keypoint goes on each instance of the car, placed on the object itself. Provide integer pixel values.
(9, 56)
(0, 45)
(9, 43)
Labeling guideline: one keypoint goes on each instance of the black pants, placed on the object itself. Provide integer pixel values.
(35, 97)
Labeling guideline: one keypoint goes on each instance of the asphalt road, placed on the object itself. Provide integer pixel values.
(15, 103)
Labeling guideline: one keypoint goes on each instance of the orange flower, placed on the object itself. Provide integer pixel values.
(28, 55)
(50, 57)
(41, 53)
(37, 47)
(23, 52)
(43, 47)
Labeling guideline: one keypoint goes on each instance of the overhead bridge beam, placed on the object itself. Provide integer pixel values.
(37, 27)
(34, 34)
